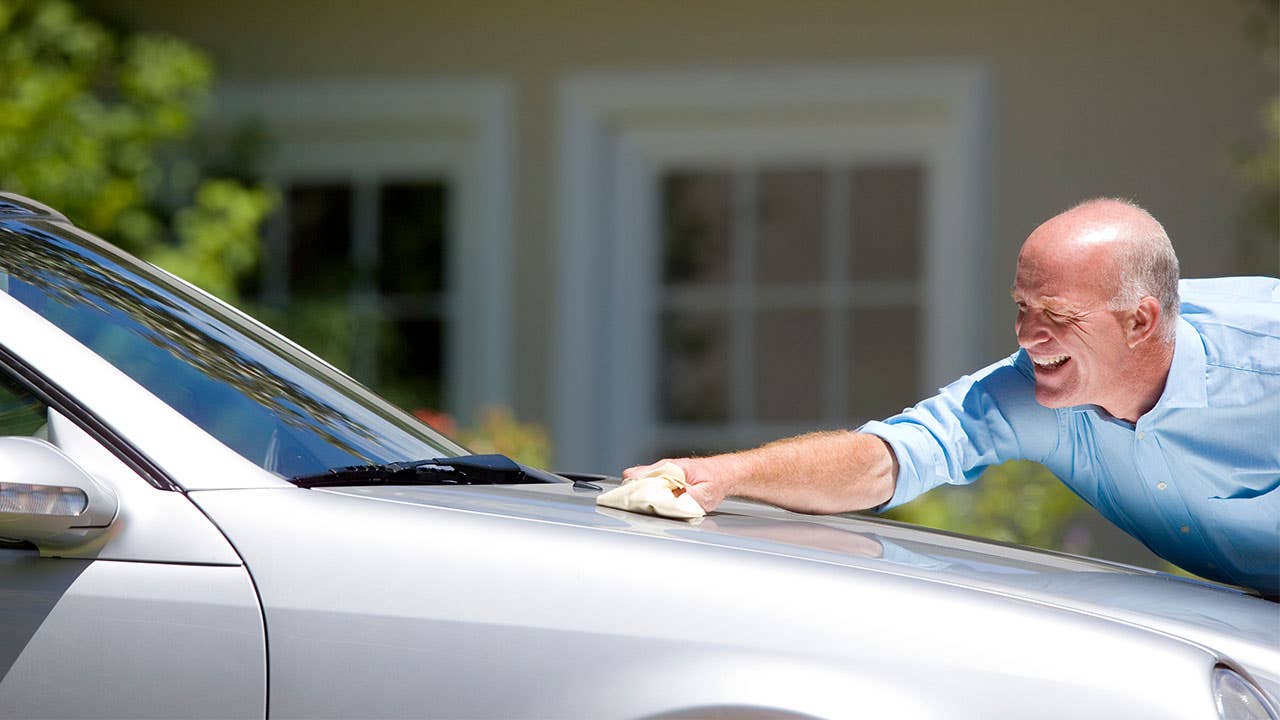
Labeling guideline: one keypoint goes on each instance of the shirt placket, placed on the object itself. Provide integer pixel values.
(1178, 527)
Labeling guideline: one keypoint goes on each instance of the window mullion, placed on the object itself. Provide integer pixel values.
(364, 291)
(742, 241)
(275, 265)
(836, 252)
(850, 330)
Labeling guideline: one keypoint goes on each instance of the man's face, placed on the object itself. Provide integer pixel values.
(1076, 343)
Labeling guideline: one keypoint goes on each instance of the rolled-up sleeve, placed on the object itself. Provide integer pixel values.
(977, 421)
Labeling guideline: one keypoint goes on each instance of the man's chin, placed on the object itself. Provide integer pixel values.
(1052, 398)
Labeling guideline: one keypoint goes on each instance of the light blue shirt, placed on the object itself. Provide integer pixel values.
(1196, 479)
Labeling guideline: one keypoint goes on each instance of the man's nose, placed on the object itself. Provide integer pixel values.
(1030, 329)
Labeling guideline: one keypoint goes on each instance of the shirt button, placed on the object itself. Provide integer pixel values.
(1184, 529)
(1161, 486)
(1141, 434)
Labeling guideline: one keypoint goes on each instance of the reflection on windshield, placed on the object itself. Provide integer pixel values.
(281, 410)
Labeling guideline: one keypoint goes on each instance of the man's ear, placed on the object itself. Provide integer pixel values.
(1143, 321)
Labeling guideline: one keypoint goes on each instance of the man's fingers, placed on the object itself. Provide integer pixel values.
(639, 469)
(634, 470)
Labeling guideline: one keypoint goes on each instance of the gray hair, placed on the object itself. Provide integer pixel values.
(1146, 265)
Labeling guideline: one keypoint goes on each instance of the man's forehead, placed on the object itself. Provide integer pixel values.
(1046, 277)
(1041, 293)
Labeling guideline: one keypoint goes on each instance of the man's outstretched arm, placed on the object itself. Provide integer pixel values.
(819, 473)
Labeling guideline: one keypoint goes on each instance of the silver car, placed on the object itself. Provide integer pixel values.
(201, 519)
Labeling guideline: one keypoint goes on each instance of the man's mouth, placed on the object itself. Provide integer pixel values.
(1052, 362)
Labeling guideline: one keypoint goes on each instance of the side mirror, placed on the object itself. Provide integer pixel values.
(47, 499)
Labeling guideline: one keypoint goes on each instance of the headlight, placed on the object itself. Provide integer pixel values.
(1237, 698)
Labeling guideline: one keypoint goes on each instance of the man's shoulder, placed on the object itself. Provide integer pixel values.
(1238, 319)
(1009, 385)
(1251, 300)
(1014, 371)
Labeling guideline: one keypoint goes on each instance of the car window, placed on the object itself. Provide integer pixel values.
(21, 413)
(261, 396)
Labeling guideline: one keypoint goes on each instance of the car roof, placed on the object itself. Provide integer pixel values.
(15, 205)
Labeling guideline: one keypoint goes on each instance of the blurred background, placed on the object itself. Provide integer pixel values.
(592, 234)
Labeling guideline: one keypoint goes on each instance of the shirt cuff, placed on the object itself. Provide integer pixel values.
(920, 465)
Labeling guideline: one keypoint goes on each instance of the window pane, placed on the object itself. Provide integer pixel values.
(789, 226)
(695, 367)
(413, 221)
(790, 346)
(696, 221)
(320, 239)
(411, 362)
(886, 228)
(21, 413)
(253, 392)
(882, 344)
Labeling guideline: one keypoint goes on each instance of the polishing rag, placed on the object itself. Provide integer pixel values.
(657, 491)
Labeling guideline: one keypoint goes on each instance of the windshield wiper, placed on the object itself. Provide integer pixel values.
(463, 470)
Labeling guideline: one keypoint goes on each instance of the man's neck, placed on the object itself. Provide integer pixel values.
(1145, 380)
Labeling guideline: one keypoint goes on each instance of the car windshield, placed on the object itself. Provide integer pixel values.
(257, 393)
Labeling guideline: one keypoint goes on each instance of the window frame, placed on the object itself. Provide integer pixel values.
(370, 133)
(53, 396)
(835, 298)
(365, 301)
(618, 131)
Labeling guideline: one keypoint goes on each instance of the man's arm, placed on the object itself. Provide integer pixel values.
(979, 420)
(820, 473)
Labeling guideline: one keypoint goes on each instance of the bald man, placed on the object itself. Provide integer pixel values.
(1163, 413)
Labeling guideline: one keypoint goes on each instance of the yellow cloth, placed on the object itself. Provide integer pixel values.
(657, 491)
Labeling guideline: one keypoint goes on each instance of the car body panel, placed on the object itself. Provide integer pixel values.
(613, 621)
(1243, 626)
(151, 525)
(99, 639)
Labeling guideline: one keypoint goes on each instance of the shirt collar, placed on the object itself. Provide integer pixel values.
(1185, 386)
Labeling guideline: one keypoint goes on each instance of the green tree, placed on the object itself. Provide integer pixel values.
(99, 124)
(1019, 501)
(1259, 167)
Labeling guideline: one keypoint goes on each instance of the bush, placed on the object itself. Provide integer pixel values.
(497, 431)
(93, 122)
(1019, 502)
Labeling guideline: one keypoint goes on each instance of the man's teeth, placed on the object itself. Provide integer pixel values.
(1050, 362)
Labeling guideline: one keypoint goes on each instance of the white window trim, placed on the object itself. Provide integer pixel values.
(616, 132)
(459, 130)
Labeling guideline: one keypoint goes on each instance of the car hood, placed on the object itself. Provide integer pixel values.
(1241, 626)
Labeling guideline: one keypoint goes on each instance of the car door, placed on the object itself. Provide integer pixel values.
(157, 619)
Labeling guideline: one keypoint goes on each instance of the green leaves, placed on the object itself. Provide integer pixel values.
(94, 125)
(217, 236)
(1019, 502)
(1259, 171)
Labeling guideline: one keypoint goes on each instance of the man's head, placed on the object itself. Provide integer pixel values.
(1097, 295)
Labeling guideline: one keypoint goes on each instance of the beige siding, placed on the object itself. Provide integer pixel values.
(1141, 99)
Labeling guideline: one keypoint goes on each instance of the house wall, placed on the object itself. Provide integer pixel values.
(1142, 98)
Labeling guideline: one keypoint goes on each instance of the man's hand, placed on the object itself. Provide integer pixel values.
(819, 473)
(710, 479)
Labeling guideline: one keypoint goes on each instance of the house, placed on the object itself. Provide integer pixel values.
(662, 227)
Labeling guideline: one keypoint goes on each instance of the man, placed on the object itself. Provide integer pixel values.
(1168, 424)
